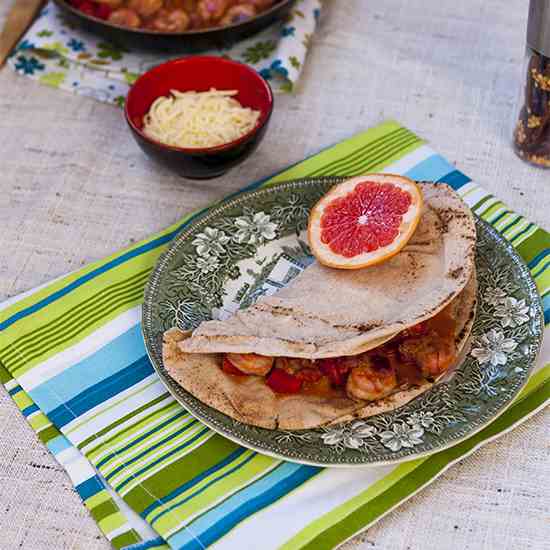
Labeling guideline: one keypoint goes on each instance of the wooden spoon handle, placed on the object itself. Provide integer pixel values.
(19, 19)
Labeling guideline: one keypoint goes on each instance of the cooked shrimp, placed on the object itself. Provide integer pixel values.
(371, 382)
(292, 364)
(432, 354)
(251, 363)
(125, 17)
(145, 8)
(212, 10)
(171, 21)
(238, 13)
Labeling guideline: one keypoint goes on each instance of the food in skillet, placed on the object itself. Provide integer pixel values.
(173, 15)
(337, 344)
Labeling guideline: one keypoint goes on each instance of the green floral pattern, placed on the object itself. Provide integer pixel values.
(98, 69)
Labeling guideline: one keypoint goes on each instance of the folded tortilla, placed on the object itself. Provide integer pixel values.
(248, 399)
(327, 312)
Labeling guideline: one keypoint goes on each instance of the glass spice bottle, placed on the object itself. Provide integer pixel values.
(532, 127)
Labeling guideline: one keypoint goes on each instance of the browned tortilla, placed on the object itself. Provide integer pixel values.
(327, 312)
(248, 399)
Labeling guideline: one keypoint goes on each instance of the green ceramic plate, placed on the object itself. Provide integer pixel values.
(254, 244)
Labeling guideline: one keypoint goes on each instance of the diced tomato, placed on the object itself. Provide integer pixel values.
(88, 8)
(229, 368)
(309, 375)
(335, 370)
(103, 11)
(418, 329)
(281, 381)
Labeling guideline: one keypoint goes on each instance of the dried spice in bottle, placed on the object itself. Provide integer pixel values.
(532, 130)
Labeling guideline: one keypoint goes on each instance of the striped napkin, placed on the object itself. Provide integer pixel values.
(152, 476)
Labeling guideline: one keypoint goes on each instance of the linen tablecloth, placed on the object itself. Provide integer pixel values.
(150, 474)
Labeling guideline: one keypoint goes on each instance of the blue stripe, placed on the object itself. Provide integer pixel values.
(103, 364)
(146, 544)
(538, 258)
(145, 436)
(15, 390)
(197, 479)
(528, 228)
(455, 179)
(30, 409)
(510, 225)
(212, 525)
(101, 392)
(547, 317)
(90, 487)
(431, 169)
(202, 489)
(58, 444)
(546, 306)
(163, 457)
(150, 449)
(500, 216)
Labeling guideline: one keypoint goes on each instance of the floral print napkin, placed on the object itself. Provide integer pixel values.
(56, 53)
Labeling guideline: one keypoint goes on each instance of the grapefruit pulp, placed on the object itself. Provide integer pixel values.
(364, 220)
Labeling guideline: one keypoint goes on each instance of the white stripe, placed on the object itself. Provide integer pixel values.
(474, 197)
(130, 471)
(509, 218)
(120, 458)
(124, 528)
(163, 464)
(467, 187)
(119, 428)
(85, 426)
(520, 226)
(80, 351)
(525, 236)
(134, 520)
(328, 490)
(486, 205)
(213, 504)
(497, 213)
(78, 467)
(10, 384)
(409, 161)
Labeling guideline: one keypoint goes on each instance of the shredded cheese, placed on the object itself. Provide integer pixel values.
(198, 119)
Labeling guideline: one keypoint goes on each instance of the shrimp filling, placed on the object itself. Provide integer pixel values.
(422, 352)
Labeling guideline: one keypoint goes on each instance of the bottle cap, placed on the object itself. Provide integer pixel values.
(538, 26)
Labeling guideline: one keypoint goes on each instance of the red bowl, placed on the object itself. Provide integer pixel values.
(200, 73)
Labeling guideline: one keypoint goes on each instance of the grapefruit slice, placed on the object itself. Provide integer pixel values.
(364, 220)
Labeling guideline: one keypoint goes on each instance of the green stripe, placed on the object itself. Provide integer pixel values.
(540, 240)
(67, 325)
(126, 539)
(481, 202)
(431, 467)
(180, 472)
(376, 163)
(366, 150)
(119, 421)
(78, 332)
(57, 325)
(128, 436)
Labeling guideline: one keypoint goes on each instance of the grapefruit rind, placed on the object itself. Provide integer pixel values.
(326, 256)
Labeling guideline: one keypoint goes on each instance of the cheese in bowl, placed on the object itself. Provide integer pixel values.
(198, 119)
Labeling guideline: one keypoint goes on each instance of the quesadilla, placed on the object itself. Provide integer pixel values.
(335, 345)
